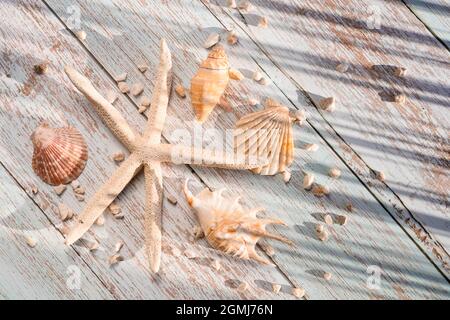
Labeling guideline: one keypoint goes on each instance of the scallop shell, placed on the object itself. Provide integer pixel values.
(267, 133)
(228, 226)
(60, 154)
(210, 82)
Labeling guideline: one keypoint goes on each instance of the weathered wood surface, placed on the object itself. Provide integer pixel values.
(50, 270)
(408, 142)
(129, 33)
(435, 14)
(32, 33)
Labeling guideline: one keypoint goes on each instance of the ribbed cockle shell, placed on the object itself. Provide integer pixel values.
(228, 226)
(210, 82)
(268, 134)
(60, 154)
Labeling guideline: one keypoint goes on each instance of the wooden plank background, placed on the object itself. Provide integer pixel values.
(308, 41)
(120, 37)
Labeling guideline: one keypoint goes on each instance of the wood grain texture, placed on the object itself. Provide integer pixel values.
(435, 14)
(50, 270)
(129, 32)
(406, 142)
(35, 34)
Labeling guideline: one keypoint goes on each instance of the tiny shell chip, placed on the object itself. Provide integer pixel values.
(121, 77)
(245, 6)
(143, 67)
(232, 38)
(123, 87)
(137, 89)
(30, 242)
(231, 4)
(334, 173)
(142, 109)
(145, 101)
(65, 213)
(115, 258)
(298, 292)
(235, 74)
(327, 276)
(265, 81)
(60, 154)
(190, 254)
(119, 156)
(79, 197)
(327, 104)
(181, 92)
(212, 39)
(257, 76)
(81, 35)
(342, 67)
(114, 208)
(263, 22)
(320, 190)
(380, 175)
(172, 199)
(276, 288)
(111, 96)
(75, 184)
(308, 181)
(319, 228)
(328, 219)
(118, 246)
(242, 287)
(253, 102)
(216, 265)
(60, 189)
(400, 98)
(323, 236)
(342, 220)
(41, 68)
(286, 176)
(79, 190)
(311, 147)
(400, 71)
(100, 220)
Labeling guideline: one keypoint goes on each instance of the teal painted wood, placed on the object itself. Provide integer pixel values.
(50, 270)
(435, 14)
(129, 33)
(35, 34)
(368, 132)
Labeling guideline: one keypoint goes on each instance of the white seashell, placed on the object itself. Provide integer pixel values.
(30, 241)
(60, 154)
(267, 134)
(257, 76)
(228, 226)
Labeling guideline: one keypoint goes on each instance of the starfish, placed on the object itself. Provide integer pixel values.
(147, 152)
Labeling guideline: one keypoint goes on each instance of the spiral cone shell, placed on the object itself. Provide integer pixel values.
(209, 83)
(60, 154)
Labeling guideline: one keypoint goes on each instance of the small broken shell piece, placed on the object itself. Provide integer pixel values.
(300, 116)
(341, 219)
(400, 98)
(379, 175)
(342, 67)
(231, 4)
(94, 245)
(80, 197)
(81, 35)
(75, 184)
(216, 265)
(276, 288)
(245, 6)
(118, 156)
(114, 259)
(143, 67)
(142, 109)
(65, 213)
(320, 190)
(118, 246)
(265, 81)
(121, 77)
(399, 71)
(34, 190)
(311, 147)
(328, 219)
(100, 220)
(235, 74)
(298, 292)
(64, 230)
(30, 241)
(263, 22)
(181, 91)
(323, 236)
(114, 208)
(175, 251)
(257, 76)
(190, 254)
(327, 104)
(349, 207)
(137, 89)
(253, 102)
(308, 181)
(319, 228)
(243, 286)
(198, 233)
(327, 276)
(60, 189)
(41, 68)
(123, 87)
(232, 38)
(171, 199)
(212, 39)
(111, 96)
(334, 173)
(286, 176)
(79, 190)
(145, 101)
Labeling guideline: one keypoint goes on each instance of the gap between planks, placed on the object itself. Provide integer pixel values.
(310, 101)
(110, 76)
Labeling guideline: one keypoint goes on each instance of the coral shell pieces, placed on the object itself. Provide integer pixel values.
(228, 226)
(60, 154)
(267, 133)
(210, 82)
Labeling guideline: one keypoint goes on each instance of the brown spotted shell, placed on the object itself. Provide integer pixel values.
(60, 154)
(268, 134)
(228, 226)
(209, 83)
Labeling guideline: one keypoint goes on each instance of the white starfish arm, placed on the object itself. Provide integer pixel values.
(104, 196)
(153, 210)
(160, 97)
(110, 115)
(202, 157)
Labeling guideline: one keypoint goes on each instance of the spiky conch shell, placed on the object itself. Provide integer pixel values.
(209, 83)
(228, 226)
(60, 154)
(267, 133)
